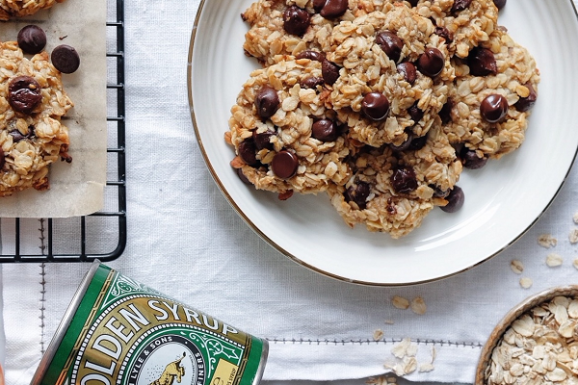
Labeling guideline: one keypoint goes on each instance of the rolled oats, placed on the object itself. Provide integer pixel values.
(547, 241)
(526, 282)
(418, 306)
(400, 302)
(541, 346)
(554, 260)
(517, 266)
(377, 335)
(573, 236)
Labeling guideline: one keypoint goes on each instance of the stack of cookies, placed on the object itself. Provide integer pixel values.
(381, 104)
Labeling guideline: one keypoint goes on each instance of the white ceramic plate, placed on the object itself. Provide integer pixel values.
(502, 200)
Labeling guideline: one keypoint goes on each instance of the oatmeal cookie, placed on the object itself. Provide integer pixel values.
(464, 23)
(284, 137)
(392, 191)
(396, 57)
(20, 8)
(32, 102)
(492, 97)
(287, 27)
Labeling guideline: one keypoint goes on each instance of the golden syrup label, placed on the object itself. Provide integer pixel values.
(137, 336)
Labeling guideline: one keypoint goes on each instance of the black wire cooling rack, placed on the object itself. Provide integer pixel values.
(101, 235)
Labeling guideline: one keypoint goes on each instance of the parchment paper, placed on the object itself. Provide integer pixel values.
(77, 188)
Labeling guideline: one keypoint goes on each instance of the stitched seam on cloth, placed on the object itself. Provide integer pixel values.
(43, 286)
(304, 341)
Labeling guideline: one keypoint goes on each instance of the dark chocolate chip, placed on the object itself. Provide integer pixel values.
(31, 39)
(263, 139)
(500, 4)
(455, 200)
(482, 62)
(375, 106)
(460, 5)
(330, 9)
(312, 82)
(408, 71)
(415, 112)
(494, 108)
(311, 55)
(431, 62)
(524, 104)
(418, 143)
(439, 193)
(390, 43)
(266, 102)
(330, 72)
(65, 59)
(325, 130)
(296, 20)
(358, 193)
(403, 180)
(248, 152)
(24, 94)
(242, 176)
(471, 160)
(285, 164)
(413, 3)
(446, 112)
(444, 33)
(17, 136)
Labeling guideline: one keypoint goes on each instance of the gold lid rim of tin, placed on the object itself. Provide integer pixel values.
(64, 324)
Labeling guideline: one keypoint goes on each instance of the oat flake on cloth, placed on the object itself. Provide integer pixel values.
(186, 241)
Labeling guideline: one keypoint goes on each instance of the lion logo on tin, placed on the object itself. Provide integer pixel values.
(172, 371)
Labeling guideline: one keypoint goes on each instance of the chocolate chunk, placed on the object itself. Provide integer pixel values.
(330, 9)
(296, 20)
(311, 55)
(500, 4)
(408, 71)
(446, 112)
(358, 194)
(415, 113)
(390, 43)
(266, 102)
(455, 200)
(325, 130)
(17, 136)
(524, 104)
(312, 82)
(494, 108)
(242, 176)
(285, 164)
(65, 59)
(403, 180)
(418, 143)
(460, 5)
(431, 62)
(330, 72)
(248, 152)
(263, 139)
(24, 94)
(31, 39)
(444, 33)
(413, 3)
(375, 106)
(482, 62)
(471, 160)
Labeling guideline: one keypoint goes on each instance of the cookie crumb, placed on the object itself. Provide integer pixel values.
(547, 241)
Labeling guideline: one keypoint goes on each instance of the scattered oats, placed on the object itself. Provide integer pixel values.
(554, 260)
(409, 365)
(411, 350)
(377, 335)
(517, 266)
(400, 302)
(399, 350)
(575, 263)
(575, 217)
(418, 306)
(389, 322)
(526, 282)
(547, 241)
(426, 367)
(573, 236)
(434, 354)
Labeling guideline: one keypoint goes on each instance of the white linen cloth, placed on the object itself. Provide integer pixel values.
(186, 241)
